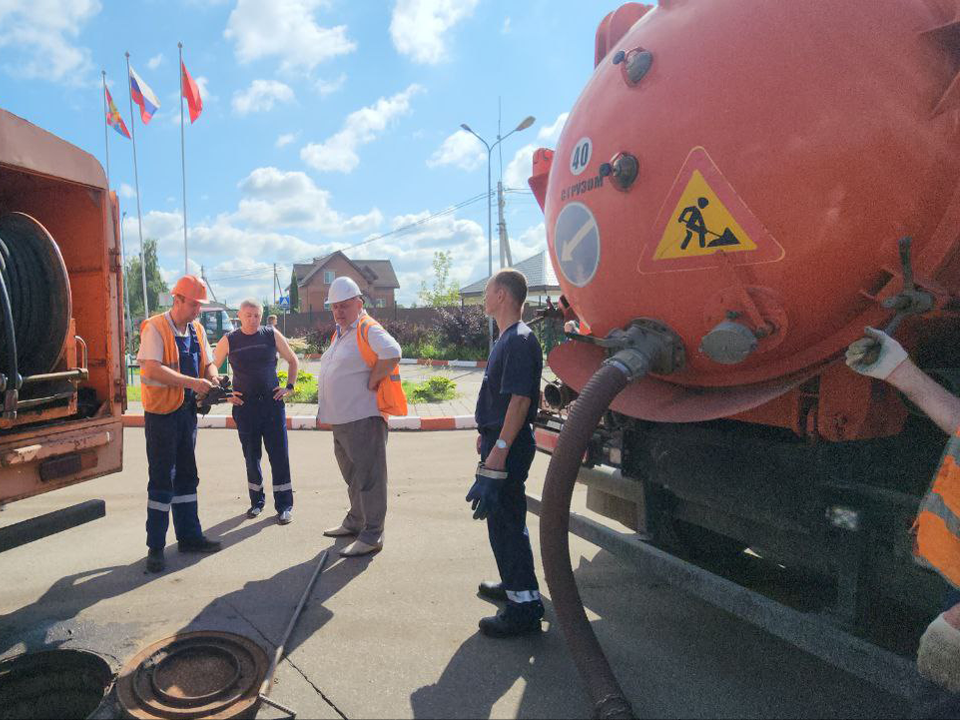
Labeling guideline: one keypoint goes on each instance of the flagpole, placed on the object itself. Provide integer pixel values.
(106, 141)
(136, 182)
(183, 164)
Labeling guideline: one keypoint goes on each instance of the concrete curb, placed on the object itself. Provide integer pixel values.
(309, 422)
(425, 361)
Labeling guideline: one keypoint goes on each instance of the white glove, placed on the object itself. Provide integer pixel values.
(938, 658)
(891, 354)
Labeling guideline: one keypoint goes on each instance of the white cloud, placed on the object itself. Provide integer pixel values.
(261, 96)
(41, 34)
(462, 150)
(285, 139)
(411, 251)
(328, 87)
(421, 28)
(154, 62)
(518, 170)
(126, 191)
(274, 198)
(286, 29)
(528, 243)
(339, 152)
(238, 249)
(203, 87)
(551, 133)
(505, 28)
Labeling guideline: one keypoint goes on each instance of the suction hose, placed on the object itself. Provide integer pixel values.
(599, 392)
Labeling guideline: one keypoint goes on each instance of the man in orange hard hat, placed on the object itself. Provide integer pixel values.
(938, 523)
(175, 367)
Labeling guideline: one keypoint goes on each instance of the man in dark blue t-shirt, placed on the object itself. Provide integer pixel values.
(506, 408)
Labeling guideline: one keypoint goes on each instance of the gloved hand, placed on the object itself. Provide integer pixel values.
(938, 657)
(485, 491)
(219, 394)
(888, 352)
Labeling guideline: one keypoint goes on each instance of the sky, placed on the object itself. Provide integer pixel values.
(326, 124)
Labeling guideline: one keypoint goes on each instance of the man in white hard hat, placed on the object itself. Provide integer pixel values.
(347, 401)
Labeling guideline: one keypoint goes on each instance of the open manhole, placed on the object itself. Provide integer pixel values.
(52, 684)
(199, 674)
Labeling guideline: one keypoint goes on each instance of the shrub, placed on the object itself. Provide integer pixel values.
(409, 334)
(463, 327)
(435, 389)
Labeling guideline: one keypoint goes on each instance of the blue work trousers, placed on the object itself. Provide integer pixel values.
(173, 479)
(262, 422)
(507, 526)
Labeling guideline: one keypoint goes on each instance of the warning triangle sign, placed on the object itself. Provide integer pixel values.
(703, 215)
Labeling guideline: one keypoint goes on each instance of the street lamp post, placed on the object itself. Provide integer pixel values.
(527, 122)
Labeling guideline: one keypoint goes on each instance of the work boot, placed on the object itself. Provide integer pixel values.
(286, 517)
(155, 560)
(492, 591)
(199, 545)
(254, 511)
(510, 623)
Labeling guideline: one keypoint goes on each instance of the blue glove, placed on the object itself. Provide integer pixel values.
(485, 491)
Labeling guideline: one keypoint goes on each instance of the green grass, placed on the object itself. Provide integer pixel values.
(436, 389)
(133, 393)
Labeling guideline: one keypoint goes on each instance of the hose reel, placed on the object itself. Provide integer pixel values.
(35, 304)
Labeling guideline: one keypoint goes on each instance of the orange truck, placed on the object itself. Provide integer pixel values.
(62, 382)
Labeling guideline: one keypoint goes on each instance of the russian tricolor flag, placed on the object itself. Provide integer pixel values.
(143, 96)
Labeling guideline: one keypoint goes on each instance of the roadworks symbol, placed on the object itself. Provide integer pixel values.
(701, 225)
(703, 215)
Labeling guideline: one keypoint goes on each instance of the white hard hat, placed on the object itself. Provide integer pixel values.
(342, 288)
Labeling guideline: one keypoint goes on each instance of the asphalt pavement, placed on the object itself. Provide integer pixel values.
(395, 634)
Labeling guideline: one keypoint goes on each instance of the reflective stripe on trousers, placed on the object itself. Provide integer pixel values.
(262, 422)
(173, 480)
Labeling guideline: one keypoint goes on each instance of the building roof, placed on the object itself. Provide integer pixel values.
(537, 269)
(379, 273)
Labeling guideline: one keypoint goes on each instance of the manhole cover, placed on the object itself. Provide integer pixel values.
(52, 684)
(199, 674)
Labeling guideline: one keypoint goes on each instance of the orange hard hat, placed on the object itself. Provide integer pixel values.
(191, 287)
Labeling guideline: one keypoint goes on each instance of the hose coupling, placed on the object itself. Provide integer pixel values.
(646, 345)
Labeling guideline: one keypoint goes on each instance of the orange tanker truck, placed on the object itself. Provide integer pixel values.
(62, 383)
(740, 189)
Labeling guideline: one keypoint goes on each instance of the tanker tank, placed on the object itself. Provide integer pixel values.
(739, 190)
(743, 172)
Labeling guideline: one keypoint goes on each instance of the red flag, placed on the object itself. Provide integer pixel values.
(192, 93)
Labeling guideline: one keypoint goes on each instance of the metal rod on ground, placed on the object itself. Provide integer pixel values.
(278, 653)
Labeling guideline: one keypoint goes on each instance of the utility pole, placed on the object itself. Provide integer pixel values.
(505, 258)
(274, 284)
(203, 276)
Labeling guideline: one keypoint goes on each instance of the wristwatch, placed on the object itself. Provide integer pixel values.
(501, 443)
(289, 386)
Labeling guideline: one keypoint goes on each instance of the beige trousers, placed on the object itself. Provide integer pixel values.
(361, 451)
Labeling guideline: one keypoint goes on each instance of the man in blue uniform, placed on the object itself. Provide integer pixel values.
(506, 408)
(258, 410)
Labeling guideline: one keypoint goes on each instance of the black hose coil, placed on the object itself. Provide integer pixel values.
(37, 302)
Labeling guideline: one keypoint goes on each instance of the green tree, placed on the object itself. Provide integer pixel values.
(294, 292)
(155, 283)
(445, 292)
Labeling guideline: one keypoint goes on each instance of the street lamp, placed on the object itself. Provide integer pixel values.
(527, 122)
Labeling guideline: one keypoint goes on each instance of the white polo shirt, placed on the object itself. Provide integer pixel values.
(343, 395)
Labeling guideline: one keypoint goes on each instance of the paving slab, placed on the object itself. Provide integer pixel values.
(395, 634)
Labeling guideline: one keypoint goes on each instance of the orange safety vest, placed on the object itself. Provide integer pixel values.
(937, 528)
(391, 399)
(160, 398)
